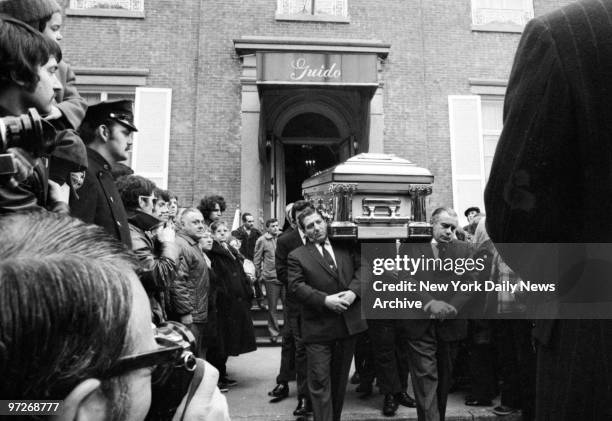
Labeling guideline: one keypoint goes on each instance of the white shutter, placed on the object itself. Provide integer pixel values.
(466, 152)
(152, 141)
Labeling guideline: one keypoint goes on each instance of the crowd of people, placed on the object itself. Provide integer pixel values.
(99, 266)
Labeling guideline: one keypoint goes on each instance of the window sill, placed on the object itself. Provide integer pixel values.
(106, 13)
(498, 27)
(312, 18)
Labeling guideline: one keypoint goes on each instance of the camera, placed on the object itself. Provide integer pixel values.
(170, 382)
(28, 131)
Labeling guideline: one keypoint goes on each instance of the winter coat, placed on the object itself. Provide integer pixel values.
(247, 241)
(192, 285)
(233, 301)
(265, 250)
(158, 262)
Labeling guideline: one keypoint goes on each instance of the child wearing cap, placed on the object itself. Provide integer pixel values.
(45, 16)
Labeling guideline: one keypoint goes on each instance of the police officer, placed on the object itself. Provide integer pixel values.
(107, 131)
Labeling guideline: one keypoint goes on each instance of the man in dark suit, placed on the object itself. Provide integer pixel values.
(324, 278)
(107, 131)
(248, 235)
(557, 139)
(434, 330)
(293, 353)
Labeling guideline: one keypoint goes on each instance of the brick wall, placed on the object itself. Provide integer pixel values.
(433, 54)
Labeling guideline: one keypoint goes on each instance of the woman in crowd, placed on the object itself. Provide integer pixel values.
(235, 326)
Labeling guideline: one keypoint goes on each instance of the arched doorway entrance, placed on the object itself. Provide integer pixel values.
(283, 78)
(309, 130)
(311, 143)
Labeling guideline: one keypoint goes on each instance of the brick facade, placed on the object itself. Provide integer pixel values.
(188, 46)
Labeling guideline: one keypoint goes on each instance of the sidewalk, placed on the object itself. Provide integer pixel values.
(256, 373)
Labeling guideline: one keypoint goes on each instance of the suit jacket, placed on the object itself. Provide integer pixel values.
(550, 178)
(247, 241)
(286, 243)
(448, 329)
(99, 201)
(311, 280)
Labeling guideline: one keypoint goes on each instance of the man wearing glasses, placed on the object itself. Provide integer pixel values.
(107, 131)
(152, 241)
(101, 364)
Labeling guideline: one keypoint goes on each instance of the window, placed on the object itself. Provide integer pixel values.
(313, 10)
(109, 8)
(475, 123)
(492, 122)
(501, 15)
(95, 97)
(152, 110)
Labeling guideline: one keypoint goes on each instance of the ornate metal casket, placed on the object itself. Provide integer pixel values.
(371, 197)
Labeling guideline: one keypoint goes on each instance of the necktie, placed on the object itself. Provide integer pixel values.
(328, 258)
(442, 250)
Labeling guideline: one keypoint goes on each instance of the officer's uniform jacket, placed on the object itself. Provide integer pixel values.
(99, 201)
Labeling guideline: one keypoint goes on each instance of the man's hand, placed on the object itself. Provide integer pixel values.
(24, 164)
(348, 296)
(440, 309)
(166, 233)
(59, 193)
(207, 404)
(54, 114)
(187, 320)
(336, 303)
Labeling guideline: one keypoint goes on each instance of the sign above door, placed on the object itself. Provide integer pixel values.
(302, 68)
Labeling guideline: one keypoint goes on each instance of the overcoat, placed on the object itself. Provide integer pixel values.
(99, 201)
(551, 182)
(233, 301)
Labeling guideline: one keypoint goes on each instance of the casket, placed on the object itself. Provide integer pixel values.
(372, 197)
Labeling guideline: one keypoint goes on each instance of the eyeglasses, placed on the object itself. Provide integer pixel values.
(153, 199)
(163, 360)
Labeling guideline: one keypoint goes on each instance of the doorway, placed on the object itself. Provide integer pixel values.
(310, 142)
(303, 161)
(307, 130)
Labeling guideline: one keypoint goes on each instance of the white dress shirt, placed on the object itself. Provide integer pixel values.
(328, 247)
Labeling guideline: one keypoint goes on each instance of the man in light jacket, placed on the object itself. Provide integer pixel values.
(265, 266)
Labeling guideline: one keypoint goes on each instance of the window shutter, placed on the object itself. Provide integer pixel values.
(466, 152)
(152, 141)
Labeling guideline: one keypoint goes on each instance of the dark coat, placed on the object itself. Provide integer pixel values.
(311, 280)
(286, 243)
(31, 193)
(233, 301)
(449, 329)
(550, 178)
(551, 182)
(99, 201)
(248, 240)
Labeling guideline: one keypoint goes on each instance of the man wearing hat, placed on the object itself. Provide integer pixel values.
(107, 131)
(471, 213)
